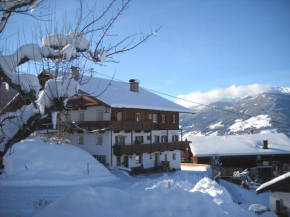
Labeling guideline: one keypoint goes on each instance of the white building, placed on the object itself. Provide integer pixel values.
(132, 127)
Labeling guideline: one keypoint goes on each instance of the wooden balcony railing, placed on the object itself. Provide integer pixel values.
(115, 125)
(120, 150)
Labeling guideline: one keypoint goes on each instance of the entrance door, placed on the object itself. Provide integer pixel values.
(126, 163)
(156, 161)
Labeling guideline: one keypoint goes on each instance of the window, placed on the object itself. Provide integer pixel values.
(148, 138)
(100, 116)
(101, 158)
(165, 157)
(150, 156)
(138, 140)
(150, 116)
(163, 119)
(173, 119)
(174, 138)
(155, 139)
(118, 161)
(119, 116)
(80, 139)
(99, 140)
(174, 156)
(138, 158)
(138, 116)
(120, 140)
(285, 167)
(154, 118)
(163, 138)
(81, 116)
(274, 167)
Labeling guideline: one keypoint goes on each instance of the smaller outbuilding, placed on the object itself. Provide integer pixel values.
(279, 194)
(239, 152)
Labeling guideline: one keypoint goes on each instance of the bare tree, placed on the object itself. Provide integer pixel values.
(59, 53)
(215, 164)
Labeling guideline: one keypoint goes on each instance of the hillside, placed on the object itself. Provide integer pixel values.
(260, 113)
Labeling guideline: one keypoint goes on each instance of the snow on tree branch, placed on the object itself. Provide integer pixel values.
(12, 123)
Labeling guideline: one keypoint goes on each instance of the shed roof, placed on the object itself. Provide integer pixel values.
(117, 94)
(281, 183)
(239, 145)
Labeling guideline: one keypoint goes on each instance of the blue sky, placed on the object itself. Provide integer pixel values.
(203, 45)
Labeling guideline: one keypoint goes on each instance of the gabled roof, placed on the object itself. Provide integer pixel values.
(117, 94)
(281, 183)
(238, 145)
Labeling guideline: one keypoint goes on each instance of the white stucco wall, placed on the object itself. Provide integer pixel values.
(90, 145)
(90, 114)
(279, 196)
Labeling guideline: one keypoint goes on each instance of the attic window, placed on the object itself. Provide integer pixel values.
(138, 116)
(173, 119)
(163, 118)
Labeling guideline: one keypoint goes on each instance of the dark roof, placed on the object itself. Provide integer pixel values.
(281, 184)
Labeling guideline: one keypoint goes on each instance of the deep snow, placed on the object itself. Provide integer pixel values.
(43, 179)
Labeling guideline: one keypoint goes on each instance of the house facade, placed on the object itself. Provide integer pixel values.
(239, 152)
(127, 126)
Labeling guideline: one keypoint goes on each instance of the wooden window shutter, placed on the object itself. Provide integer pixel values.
(116, 140)
(123, 138)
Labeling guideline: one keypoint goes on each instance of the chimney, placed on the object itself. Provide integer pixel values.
(265, 144)
(251, 131)
(134, 85)
(75, 73)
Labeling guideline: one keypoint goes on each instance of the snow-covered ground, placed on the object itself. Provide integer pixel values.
(36, 183)
(253, 122)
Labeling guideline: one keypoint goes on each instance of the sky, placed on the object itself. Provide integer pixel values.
(205, 49)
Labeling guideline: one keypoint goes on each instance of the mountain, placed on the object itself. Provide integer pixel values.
(263, 113)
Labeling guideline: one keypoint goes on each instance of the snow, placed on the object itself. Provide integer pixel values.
(206, 198)
(61, 87)
(118, 95)
(69, 51)
(273, 181)
(39, 181)
(216, 125)
(13, 121)
(60, 41)
(253, 122)
(236, 145)
(101, 55)
(34, 162)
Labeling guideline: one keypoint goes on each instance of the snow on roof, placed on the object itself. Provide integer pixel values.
(118, 95)
(266, 186)
(235, 145)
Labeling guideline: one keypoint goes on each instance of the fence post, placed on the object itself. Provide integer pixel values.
(88, 168)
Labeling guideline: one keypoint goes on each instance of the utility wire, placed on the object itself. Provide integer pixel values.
(206, 105)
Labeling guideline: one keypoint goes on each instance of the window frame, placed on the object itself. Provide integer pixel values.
(97, 140)
(163, 119)
(101, 158)
(174, 156)
(138, 158)
(173, 119)
(138, 116)
(154, 118)
(81, 114)
(80, 139)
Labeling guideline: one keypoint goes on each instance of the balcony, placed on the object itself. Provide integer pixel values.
(120, 150)
(115, 125)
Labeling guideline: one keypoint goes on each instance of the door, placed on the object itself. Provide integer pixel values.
(126, 163)
(156, 161)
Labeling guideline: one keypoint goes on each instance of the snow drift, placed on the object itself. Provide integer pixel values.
(35, 162)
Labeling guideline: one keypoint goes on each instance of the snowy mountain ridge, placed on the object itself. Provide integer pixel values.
(266, 112)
